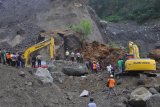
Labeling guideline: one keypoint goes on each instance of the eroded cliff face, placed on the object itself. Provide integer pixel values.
(30, 16)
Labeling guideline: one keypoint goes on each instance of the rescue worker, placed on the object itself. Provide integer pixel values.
(72, 56)
(94, 67)
(92, 103)
(3, 55)
(67, 54)
(33, 61)
(39, 59)
(8, 58)
(111, 85)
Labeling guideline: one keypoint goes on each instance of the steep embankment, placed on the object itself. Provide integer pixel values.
(146, 36)
(28, 17)
(127, 14)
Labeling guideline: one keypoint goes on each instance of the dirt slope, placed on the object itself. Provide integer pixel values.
(30, 16)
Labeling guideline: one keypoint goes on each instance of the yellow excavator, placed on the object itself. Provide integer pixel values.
(135, 63)
(49, 42)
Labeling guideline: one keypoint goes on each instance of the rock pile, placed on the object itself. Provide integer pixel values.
(103, 53)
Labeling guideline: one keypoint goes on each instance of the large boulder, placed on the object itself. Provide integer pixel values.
(154, 101)
(75, 70)
(72, 42)
(139, 97)
(44, 76)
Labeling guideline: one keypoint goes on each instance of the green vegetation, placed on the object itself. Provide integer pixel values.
(114, 18)
(84, 27)
(137, 10)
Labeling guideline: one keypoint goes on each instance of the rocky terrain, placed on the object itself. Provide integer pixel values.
(146, 36)
(21, 87)
(62, 83)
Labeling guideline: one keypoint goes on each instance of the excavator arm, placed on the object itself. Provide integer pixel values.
(38, 46)
(133, 49)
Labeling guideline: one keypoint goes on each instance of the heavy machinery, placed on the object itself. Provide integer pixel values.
(134, 63)
(49, 42)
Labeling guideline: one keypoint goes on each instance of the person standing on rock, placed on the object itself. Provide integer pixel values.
(67, 54)
(92, 103)
(78, 55)
(111, 85)
(39, 59)
(72, 56)
(34, 61)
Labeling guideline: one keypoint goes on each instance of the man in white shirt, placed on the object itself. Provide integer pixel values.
(109, 69)
(67, 54)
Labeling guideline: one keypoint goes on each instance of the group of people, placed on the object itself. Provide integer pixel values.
(37, 59)
(93, 66)
(14, 59)
(111, 81)
(74, 56)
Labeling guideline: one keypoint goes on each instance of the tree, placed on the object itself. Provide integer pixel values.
(84, 28)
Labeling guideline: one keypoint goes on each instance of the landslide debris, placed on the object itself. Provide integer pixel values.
(155, 54)
(103, 53)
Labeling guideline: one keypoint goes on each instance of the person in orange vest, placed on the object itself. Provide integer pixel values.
(8, 57)
(111, 85)
(94, 67)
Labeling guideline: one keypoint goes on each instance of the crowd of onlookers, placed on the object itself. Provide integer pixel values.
(14, 59)
(74, 56)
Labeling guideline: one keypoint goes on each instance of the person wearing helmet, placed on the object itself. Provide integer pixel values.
(111, 85)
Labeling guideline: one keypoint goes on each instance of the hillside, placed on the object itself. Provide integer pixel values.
(21, 21)
(137, 10)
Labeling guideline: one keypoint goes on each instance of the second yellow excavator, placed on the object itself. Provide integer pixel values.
(40, 45)
(135, 63)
